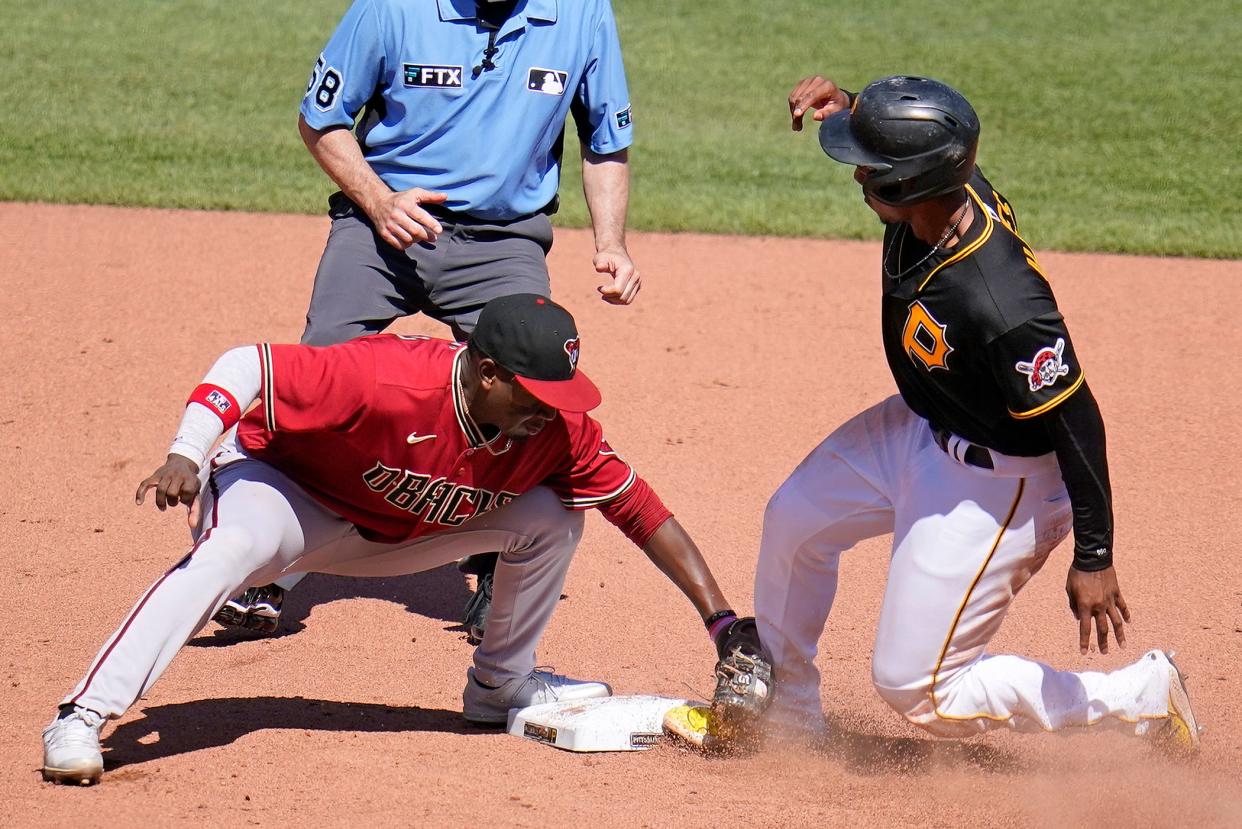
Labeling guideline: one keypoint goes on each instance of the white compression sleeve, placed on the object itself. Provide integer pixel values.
(239, 373)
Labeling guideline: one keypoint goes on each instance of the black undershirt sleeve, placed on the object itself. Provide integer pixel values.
(1077, 432)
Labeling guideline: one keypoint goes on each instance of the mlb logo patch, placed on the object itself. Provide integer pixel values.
(547, 81)
(219, 401)
(624, 119)
(430, 76)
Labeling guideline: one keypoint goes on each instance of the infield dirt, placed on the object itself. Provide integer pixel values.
(739, 356)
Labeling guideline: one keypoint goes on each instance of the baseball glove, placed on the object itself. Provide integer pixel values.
(744, 688)
(744, 683)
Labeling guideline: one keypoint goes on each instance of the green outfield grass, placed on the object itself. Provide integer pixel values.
(1111, 126)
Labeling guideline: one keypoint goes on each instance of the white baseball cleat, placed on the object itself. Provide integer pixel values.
(71, 748)
(1178, 733)
(490, 706)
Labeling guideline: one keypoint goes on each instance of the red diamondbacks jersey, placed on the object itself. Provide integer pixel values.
(377, 430)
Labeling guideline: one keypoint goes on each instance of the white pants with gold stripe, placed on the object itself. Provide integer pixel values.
(965, 541)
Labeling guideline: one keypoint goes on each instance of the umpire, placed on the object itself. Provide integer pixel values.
(443, 125)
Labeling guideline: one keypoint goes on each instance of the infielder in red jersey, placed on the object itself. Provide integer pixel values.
(385, 456)
(327, 418)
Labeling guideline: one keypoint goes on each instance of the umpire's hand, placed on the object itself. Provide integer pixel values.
(400, 220)
(816, 93)
(176, 482)
(626, 280)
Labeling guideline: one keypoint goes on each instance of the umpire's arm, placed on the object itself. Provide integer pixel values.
(606, 185)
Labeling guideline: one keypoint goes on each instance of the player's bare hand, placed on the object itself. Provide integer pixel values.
(400, 219)
(626, 280)
(1095, 600)
(817, 93)
(176, 482)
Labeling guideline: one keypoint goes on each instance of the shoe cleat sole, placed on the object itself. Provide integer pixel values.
(68, 777)
(230, 616)
(1182, 732)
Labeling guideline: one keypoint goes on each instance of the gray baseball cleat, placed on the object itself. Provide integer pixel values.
(490, 706)
(257, 609)
(71, 748)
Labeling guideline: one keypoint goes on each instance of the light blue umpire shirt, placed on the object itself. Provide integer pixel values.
(435, 116)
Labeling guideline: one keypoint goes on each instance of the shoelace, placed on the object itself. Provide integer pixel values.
(739, 672)
(747, 665)
(544, 676)
(79, 729)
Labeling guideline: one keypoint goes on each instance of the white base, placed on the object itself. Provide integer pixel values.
(626, 723)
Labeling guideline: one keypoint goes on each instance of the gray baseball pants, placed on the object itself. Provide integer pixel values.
(363, 284)
(256, 524)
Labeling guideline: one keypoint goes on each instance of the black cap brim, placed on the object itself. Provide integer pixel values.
(836, 139)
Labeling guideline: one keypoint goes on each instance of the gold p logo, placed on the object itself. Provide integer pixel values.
(924, 338)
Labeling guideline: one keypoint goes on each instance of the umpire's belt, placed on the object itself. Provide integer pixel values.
(442, 212)
(341, 205)
(960, 449)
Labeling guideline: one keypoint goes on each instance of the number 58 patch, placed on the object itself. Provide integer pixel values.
(325, 82)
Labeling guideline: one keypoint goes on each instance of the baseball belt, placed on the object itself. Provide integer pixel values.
(971, 454)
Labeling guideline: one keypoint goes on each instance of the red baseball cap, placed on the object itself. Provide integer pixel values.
(537, 340)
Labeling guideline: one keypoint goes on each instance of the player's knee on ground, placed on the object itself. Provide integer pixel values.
(910, 695)
(909, 702)
(902, 683)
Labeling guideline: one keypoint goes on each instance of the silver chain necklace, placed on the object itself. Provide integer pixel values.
(904, 231)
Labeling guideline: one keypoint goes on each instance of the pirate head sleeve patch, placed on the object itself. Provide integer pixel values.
(1036, 366)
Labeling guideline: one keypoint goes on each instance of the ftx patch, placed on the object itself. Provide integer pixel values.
(436, 77)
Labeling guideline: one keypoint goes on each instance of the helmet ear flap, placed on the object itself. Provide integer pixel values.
(921, 136)
(887, 193)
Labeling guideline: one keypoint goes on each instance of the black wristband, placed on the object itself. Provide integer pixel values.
(1089, 561)
(717, 616)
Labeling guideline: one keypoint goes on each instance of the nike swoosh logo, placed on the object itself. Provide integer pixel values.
(415, 437)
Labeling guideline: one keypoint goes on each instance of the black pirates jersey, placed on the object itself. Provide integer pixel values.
(973, 335)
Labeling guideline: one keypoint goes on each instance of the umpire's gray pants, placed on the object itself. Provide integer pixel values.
(363, 284)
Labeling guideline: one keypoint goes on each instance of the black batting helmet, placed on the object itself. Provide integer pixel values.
(917, 136)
